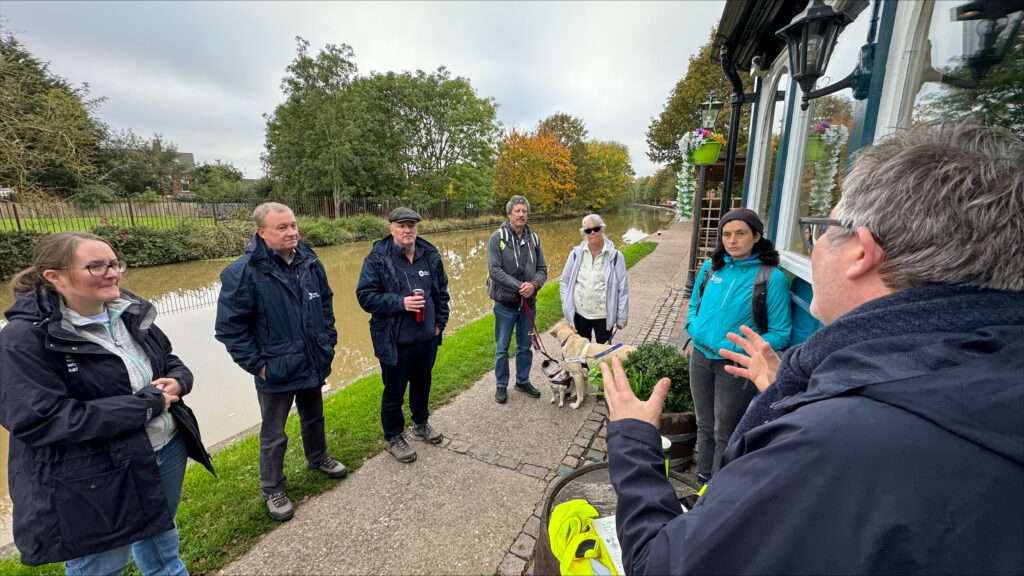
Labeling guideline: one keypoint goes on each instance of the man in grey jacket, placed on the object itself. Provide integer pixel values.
(516, 271)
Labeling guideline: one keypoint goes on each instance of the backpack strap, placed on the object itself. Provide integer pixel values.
(759, 298)
(703, 285)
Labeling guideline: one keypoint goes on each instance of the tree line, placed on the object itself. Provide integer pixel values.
(420, 137)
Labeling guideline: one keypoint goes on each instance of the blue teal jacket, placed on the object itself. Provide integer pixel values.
(264, 321)
(726, 306)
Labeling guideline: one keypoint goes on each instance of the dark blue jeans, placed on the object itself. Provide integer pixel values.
(505, 319)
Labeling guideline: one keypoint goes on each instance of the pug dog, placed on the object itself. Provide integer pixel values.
(558, 379)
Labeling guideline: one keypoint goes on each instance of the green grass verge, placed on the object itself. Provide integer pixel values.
(220, 518)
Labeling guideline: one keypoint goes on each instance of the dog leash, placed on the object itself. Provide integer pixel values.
(534, 337)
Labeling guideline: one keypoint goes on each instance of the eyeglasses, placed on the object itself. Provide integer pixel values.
(591, 230)
(99, 269)
(812, 229)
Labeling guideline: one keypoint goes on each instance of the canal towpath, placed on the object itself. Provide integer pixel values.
(472, 504)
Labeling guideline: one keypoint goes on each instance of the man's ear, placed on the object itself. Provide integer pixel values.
(865, 255)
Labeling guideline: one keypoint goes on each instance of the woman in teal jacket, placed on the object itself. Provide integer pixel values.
(723, 304)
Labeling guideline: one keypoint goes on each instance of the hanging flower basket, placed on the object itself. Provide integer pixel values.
(815, 148)
(707, 153)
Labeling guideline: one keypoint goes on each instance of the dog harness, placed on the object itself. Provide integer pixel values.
(582, 358)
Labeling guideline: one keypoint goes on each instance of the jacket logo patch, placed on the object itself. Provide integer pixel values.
(716, 279)
(72, 365)
(313, 295)
(424, 273)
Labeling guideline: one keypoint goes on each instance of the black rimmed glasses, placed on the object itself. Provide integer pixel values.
(592, 230)
(812, 229)
(99, 269)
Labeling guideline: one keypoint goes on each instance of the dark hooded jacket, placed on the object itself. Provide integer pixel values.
(82, 472)
(903, 454)
(380, 293)
(279, 316)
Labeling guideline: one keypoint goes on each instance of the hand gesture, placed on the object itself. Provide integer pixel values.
(415, 303)
(526, 289)
(760, 363)
(171, 389)
(622, 403)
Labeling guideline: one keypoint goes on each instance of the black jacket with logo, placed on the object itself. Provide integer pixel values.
(82, 472)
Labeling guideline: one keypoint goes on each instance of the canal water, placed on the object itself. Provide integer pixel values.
(223, 396)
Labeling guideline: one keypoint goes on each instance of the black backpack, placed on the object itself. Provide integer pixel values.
(758, 296)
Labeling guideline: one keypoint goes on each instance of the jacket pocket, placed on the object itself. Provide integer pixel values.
(98, 504)
(285, 363)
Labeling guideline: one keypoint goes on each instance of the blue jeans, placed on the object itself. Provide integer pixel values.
(505, 319)
(156, 555)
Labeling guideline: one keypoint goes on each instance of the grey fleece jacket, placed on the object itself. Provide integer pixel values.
(512, 260)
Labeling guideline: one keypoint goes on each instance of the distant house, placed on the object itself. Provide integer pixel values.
(180, 178)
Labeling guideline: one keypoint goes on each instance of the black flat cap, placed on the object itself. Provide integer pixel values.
(403, 214)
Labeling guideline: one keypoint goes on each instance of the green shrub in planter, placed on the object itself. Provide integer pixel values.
(656, 360)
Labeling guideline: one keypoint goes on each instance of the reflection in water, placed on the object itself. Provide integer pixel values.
(186, 294)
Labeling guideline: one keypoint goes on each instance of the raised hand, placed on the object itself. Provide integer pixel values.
(759, 364)
(623, 403)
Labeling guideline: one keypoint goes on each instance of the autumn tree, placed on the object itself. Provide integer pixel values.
(534, 165)
(680, 114)
(605, 176)
(571, 132)
(132, 164)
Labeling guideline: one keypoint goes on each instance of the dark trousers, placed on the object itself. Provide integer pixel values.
(415, 361)
(719, 399)
(274, 408)
(584, 326)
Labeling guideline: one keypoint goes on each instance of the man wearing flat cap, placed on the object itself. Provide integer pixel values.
(405, 289)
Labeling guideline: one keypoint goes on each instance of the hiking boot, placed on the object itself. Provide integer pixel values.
(331, 467)
(528, 388)
(279, 507)
(427, 433)
(399, 448)
(501, 396)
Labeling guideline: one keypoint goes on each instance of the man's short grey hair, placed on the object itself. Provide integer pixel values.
(947, 202)
(597, 220)
(513, 201)
(259, 214)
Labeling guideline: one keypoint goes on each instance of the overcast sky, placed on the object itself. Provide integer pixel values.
(203, 74)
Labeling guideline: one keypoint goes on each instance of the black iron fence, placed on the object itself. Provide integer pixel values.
(168, 213)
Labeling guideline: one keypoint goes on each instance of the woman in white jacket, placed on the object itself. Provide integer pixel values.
(594, 290)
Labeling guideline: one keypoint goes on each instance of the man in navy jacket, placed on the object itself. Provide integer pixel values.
(404, 287)
(896, 441)
(275, 317)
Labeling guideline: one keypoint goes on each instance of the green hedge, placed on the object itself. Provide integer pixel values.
(16, 251)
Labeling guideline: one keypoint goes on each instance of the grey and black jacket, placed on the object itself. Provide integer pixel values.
(512, 260)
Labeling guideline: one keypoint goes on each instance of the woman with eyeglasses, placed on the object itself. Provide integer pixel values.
(724, 301)
(91, 395)
(594, 290)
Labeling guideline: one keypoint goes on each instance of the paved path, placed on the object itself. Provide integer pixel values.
(472, 504)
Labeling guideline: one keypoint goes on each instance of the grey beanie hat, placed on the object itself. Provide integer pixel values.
(403, 214)
(745, 214)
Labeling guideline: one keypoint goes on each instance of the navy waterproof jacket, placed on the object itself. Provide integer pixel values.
(904, 455)
(266, 318)
(82, 472)
(380, 293)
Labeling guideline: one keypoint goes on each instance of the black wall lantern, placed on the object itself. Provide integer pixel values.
(811, 38)
(708, 112)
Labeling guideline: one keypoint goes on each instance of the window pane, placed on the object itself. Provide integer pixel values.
(777, 121)
(972, 67)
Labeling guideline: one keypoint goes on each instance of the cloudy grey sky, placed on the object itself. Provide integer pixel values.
(203, 74)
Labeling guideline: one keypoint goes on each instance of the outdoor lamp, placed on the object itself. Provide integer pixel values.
(811, 38)
(991, 27)
(708, 112)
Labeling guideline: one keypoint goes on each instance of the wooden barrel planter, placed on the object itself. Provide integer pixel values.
(681, 429)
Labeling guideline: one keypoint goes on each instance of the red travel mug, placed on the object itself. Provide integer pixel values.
(419, 313)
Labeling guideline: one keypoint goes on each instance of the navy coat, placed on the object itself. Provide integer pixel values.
(904, 455)
(264, 321)
(380, 293)
(82, 472)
